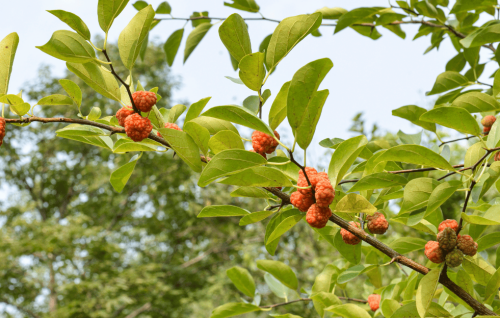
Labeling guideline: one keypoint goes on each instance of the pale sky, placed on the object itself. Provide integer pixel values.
(370, 76)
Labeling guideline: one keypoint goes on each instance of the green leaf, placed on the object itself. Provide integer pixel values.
(275, 220)
(255, 217)
(200, 135)
(55, 100)
(405, 245)
(221, 210)
(239, 115)
(417, 193)
(415, 154)
(413, 113)
(233, 309)
(94, 114)
(278, 110)
(304, 103)
(73, 21)
(108, 10)
(225, 140)
(352, 253)
(98, 141)
(233, 33)
(440, 194)
(476, 102)
(484, 35)
(8, 48)
(284, 226)
(492, 286)
(73, 91)
(120, 176)
(196, 108)
(252, 103)
(353, 272)
(426, 289)
(242, 280)
(280, 271)
(245, 5)
(488, 241)
(128, 145)
(258, 177)
(194, 38)
(325, 281)
(480, 269)
(214, 125)
(379, 180)
(446, 81)
(410, 310)
(131, 38)
(493, 136)
(348, 311)
(171, 46)
(278, 288)
(250, 192)
(229, 162)
(184, 146)
(139, 5)
(332, 13)
(175, 112)
(344, 156)
(389, 306)
(324, 300)
(355, 203)
(457, 63)
(252, 71)
(289, 32)
(490, 217)
(467, 5)
(164, 8)
(68, 46)
(359, 14)
(17, 104)
(97, 77)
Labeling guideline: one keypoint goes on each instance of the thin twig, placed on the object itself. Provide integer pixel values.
(449, 141)
(309, 299)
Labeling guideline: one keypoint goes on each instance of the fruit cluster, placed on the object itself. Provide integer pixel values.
(487, 122)
(376, 223)
(374, 301)
(137, 127)
(316, 199)
(263, 143)
(3, 123)
(450, 247)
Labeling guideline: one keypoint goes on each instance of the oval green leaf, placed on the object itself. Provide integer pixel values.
(252, 70)
(69, 46)
(8, 48)
(242, 280)
(194, 38)
(238, 115)
(415, 154)
(221, 210)
(171, 46)
(280, 271)
(233, 33)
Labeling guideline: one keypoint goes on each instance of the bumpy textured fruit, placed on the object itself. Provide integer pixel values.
(170, 126)
(448, 223)
(144, 101)
(497, 156)
(447, 239)
(467, 245)
(122, 114)
(2, 129)
(324, 193)
(137, 127)
(264, 143)
(488, 121)
(433, 252)
(348, 237)
(262, 154)
(318, 216)
(302, 181)
(377, 224)
(374, 301)
(454, 258)
(301, 201)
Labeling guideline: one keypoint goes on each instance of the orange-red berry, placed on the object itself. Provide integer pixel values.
(467, 245)
(318, 216)
(144, 101)
(348, 237)
(376, 223)
(137, 127)
(488, 121)
(433, 252)
(374, 301)
(448, 223)
(301, 201)
(264, 143)
(170, 126)
(324, 192)
(122, 114)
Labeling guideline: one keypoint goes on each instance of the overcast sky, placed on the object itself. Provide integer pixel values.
(370, 76)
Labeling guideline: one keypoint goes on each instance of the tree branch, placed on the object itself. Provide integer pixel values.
(449, 141)
(309, 299)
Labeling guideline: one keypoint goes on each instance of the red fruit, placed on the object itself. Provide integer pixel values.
(262, 154)
(324, 192)
(433, 252)
(374, 301)
(448, 223)
(3, 123)
(486, 130)
(137, 127)
(497, 156)
(302, 181)
(264, 143)
(377, 224)
(488, 121)
(144, 101)
(467, 245)
(122, 114)
(348, 237)
(301, 201)
(317, 216)
(170, 126)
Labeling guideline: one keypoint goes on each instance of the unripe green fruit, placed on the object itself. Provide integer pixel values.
(454, 258)
(447, 239)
